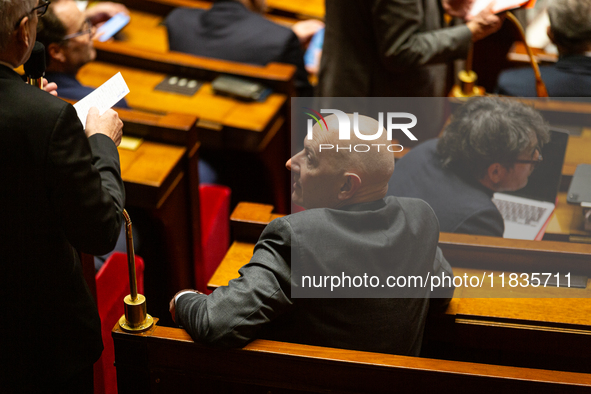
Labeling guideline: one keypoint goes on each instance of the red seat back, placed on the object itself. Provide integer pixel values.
(215, 231)
(112, 286)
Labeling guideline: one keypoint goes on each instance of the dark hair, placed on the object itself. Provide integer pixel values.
(50, 30)
(487, 130)
(570, 22)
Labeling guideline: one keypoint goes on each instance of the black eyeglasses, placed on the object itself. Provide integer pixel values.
(533, 162)
(85, 29)
(41, 9)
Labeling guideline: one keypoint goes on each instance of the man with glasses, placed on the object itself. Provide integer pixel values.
(491, 145)
(60, 190)
(67, 36)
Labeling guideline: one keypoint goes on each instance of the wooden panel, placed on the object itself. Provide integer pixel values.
(518, 54)
(278, 76)
(566, 221)
(301, 8)
(165, 360)
(242, 125)
(150, 172)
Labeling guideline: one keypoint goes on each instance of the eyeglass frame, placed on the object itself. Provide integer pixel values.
(39, 13)
(533, 162)
(80, 33)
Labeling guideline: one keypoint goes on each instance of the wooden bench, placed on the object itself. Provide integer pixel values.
(277, 76)
(258, 130)
(528, 327)
(165, 360)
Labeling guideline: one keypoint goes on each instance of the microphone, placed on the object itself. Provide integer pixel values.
(540, 86)
(35, 66)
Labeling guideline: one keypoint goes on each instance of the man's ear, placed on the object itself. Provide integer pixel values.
(56, 53)
(350, 186)
(550, 34)
(496, 173)
(23, 33)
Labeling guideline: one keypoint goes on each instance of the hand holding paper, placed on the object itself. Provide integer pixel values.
(108, 124)
(485, 23)
(457, 8)
(498, 6)
(94, 110)
(103, 97)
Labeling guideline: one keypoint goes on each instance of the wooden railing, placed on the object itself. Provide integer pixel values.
(165, 360)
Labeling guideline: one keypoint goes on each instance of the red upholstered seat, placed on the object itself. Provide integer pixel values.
(215, 231)
(112, 285)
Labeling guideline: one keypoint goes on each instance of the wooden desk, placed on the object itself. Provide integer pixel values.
(504, 325)
(518, 55)
(224, 125)
(151, 173)
(221, 119)
(145, 31)
(301, 9)
(566, 223)
(156, 181)
(578, 151)
(162, 187)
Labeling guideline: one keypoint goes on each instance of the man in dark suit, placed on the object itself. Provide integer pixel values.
(61, 190)
(348, 231)
(67, 36)
(570, 31)
(234, 30)
(387, 48)
(490, 145)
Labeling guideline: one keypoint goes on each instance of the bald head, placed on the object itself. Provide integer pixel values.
(375, 166)
(348, 171)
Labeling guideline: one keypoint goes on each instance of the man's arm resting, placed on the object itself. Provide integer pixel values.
(232, 315)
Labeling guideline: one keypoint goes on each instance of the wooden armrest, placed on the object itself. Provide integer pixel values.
(166, 358)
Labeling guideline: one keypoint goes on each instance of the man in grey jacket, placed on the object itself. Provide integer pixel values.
(349, 234)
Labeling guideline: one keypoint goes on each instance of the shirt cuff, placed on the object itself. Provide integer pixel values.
(183, 293)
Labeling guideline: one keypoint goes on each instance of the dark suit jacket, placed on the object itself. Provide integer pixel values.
(462, 205)
(59, 190)
(385, 48)
(569, 77)
(229, 31)
(384, 237)
(69, 87)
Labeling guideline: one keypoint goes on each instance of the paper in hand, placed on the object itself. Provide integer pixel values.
(103, 97)
(498, 6)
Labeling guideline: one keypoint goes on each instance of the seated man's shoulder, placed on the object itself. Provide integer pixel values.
(413, 206)
(302, 218)
(422, 151)
(182, 14)
(519, 82)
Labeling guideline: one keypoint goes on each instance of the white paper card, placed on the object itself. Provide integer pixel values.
(498, 6)
(103, 97)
